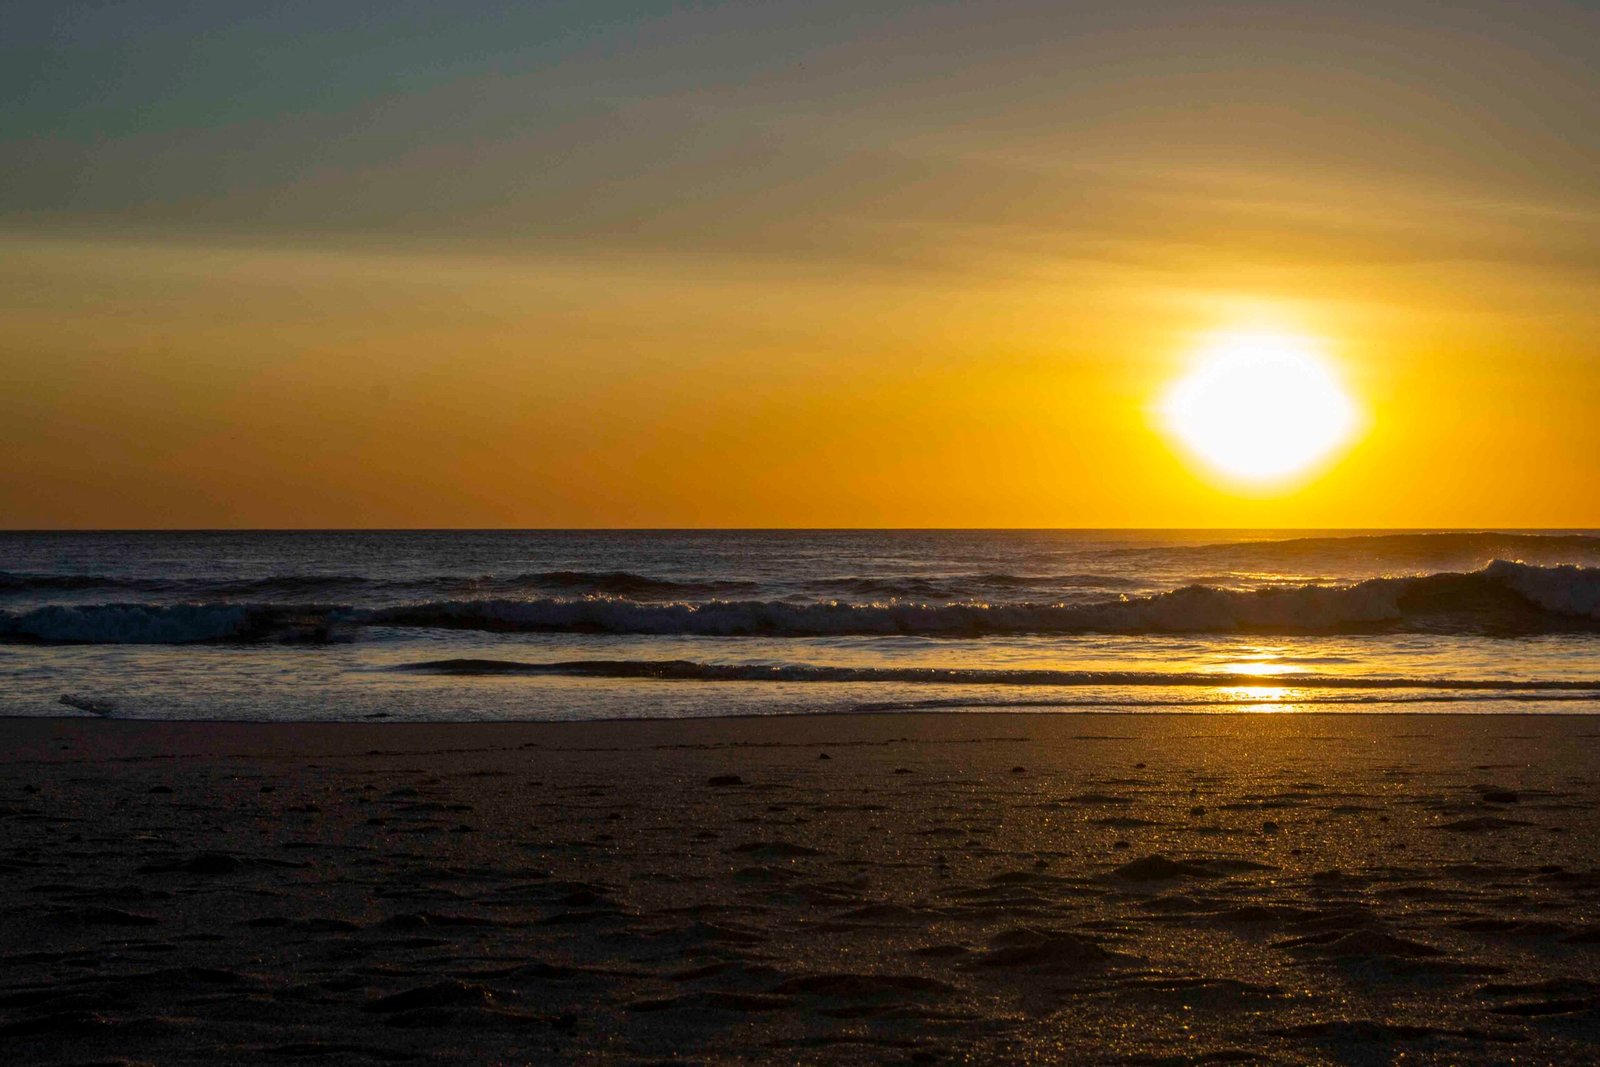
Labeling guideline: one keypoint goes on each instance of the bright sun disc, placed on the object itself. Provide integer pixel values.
(1260, 406)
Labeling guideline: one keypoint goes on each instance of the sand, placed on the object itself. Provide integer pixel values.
(858, 889)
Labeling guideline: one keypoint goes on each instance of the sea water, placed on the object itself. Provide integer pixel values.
(484, 625)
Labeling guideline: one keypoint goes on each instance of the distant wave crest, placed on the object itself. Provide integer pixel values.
(1503, 598)
(611, 583)
(948, 587)
(1401, 547)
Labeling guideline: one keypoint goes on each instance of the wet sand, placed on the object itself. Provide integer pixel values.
(1146, 889)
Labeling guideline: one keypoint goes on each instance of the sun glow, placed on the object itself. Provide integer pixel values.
(1260, 407)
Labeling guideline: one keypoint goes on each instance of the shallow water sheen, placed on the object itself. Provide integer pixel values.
(508, 625)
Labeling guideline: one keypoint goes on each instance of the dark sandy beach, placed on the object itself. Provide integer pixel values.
(859, 889)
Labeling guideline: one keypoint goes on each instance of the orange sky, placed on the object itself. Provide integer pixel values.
(891, 265)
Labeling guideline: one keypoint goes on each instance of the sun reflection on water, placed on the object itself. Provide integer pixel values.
(1270, 698)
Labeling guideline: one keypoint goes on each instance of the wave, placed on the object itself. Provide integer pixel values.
(1399, 548)
(284, 584)
(689, 670)
(950, 587)
(608, 583)
(1502, 599)
(23, 583)
(623, 583)
(175, 624)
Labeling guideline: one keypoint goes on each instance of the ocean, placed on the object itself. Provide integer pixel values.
(501, 625)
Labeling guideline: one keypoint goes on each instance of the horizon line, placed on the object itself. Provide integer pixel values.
(791, 529)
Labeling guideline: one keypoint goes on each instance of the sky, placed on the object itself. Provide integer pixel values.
(637, 264)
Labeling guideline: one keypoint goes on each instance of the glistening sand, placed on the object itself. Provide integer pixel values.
(939, 888)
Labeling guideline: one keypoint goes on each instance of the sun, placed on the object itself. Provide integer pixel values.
(1260, 407)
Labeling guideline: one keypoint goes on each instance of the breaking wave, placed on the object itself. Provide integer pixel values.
(1501, 599)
